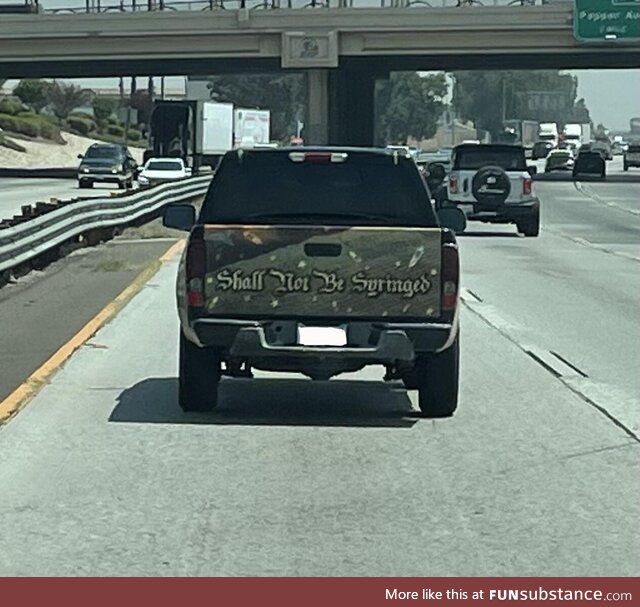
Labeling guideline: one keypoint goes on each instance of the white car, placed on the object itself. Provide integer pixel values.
(162, 170)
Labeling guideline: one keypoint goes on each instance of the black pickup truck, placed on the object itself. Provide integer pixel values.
(319, 261)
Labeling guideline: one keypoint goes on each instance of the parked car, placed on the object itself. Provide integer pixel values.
(631, 156)
(162, 170)
(559, 160)
(541, 149)
(107, 163)
(589, 162)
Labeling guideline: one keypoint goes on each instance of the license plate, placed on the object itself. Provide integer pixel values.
(322, 336)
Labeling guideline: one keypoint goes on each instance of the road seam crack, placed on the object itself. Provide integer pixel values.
(561, 378)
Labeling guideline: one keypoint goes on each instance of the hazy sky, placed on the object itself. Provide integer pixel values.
(613, 96)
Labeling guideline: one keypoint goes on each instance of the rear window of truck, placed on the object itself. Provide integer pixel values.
(474, 158)
(270, 183)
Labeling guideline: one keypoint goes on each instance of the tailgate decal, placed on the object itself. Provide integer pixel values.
(323, 272)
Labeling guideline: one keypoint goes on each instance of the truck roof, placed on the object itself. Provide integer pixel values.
(333, 149)
(497, 147)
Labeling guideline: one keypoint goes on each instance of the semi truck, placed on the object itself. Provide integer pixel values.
(520, 132)
(199, 132)
(251, 127)
(548, 131)
(577, 133)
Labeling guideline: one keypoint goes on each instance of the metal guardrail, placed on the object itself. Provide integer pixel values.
(33, 238)
(128, 6)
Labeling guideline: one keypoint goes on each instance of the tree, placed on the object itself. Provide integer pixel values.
(67, 97)
(282, 94)
(487, 98)
(103, 108)
(408, 105)
(34, 93)
(141, 100)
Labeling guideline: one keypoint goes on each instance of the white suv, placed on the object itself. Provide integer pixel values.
(492, 184)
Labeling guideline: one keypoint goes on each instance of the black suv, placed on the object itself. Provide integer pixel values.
(107, 163)
(632, 156)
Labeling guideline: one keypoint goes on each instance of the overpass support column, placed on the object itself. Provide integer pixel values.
(351, 106)
(316, 129)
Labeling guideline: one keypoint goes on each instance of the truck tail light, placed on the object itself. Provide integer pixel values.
(195, 270)
(453, 184)
(450, 274)
(526, 185)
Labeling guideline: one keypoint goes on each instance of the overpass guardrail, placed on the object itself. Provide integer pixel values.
(104, 6)
(37, 240)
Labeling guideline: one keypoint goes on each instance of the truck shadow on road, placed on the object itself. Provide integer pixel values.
(273, 402)
(487, 234)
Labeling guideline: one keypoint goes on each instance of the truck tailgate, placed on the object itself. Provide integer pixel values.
(322, 272)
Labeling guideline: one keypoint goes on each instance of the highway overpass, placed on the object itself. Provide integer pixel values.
(345, 49)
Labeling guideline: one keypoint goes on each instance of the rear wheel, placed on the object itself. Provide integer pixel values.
(199, 377)
(625, 167)
(121, 185)
(530, 226)
(129, 184)
(435, 376)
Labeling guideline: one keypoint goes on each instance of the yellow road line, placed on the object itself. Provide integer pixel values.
(21, 396)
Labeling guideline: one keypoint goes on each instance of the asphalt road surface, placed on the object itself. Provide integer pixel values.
(17, 192)
(537, 474)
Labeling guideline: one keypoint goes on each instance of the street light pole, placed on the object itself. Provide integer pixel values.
(504, 99)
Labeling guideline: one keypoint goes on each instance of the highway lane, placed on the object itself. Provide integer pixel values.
(17, 192)
(537, 474)
(103, 475)
(573, 291)
(43, 310)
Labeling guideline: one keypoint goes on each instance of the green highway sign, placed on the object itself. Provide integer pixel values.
(606, 20)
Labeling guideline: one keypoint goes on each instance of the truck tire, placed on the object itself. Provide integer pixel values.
(435, 376)
(625, 167)
(530, 227)
(199, 377)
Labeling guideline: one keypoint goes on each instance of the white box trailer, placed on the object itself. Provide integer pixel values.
(214, 135)
(251, 126)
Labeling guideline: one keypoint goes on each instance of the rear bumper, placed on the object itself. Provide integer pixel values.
(368, 342)
(505, 213)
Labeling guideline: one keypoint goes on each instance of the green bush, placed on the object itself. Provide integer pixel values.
(28, 126)
(113, 120)
(134, 135)
(50, 131)
(10, 106)
(27, 115)
(115, 130)
(82, 125)
(5, 142)
(23, 126)
(8, 123)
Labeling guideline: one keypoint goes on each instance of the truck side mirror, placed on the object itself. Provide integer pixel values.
(453, 219)
(179, 217)
(80, 156)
